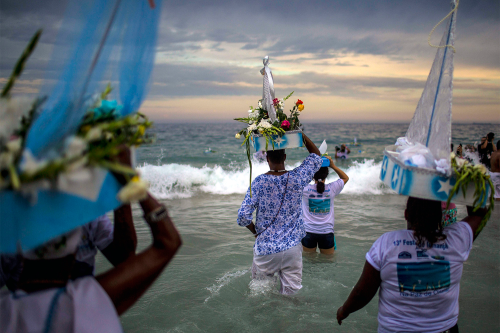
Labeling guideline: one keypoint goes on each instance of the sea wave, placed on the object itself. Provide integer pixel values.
(171, 181)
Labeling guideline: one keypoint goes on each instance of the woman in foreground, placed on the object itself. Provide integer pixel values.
(49, 300)
(418, 271)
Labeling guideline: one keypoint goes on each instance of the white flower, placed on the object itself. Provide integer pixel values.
(94, 134)
(237, 136)
(481, 168)
(250, 111)
(6, 159)
(76, 147)
(264, 124)
(14, 146)
(30, 165)
(460, 162)
(11, 111)
(452, 155)
(135, 190)
(254, 114)
(252, 127)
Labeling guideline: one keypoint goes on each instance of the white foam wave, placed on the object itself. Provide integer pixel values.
(171, 181)
(223, 281)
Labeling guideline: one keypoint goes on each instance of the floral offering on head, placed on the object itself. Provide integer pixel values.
(101, 135)
(259, 122)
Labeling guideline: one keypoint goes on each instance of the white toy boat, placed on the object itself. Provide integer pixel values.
(431, 127)
(292, 139)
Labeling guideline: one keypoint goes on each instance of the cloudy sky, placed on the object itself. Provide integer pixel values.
(349, 61)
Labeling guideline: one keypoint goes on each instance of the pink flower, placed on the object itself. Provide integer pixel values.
(285, 125)
(275, 101)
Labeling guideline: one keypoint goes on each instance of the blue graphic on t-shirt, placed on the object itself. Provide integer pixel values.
(423, 276)
(319, 206)
(404, 255)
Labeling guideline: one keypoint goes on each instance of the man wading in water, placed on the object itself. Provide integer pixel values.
(279, 226)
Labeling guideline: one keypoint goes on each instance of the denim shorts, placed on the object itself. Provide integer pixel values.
(323, 241)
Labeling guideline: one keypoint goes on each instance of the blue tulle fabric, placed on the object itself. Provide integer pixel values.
(100, 41)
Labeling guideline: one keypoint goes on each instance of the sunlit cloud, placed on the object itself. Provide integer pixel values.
(348, 60)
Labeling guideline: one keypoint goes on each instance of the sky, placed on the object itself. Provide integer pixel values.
(349, 61)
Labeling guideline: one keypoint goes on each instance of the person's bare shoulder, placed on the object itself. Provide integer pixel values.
(495, 161)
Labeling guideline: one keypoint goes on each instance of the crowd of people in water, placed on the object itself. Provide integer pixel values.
(416, 271)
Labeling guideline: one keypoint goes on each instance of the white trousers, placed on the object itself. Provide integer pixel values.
(288, 265)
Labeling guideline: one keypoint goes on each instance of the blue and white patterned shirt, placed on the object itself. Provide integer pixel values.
(287, 230)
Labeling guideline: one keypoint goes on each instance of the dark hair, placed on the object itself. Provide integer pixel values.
(490, 136)
(498, 144)
(276, 156)
(425, 217)
(451, 147)
(321, 175)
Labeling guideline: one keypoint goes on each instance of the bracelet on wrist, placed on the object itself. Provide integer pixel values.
(156, 215)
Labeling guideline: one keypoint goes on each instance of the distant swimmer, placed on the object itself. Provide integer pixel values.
(209, 151)
(317, 208)
(342, 152)
(495, 171)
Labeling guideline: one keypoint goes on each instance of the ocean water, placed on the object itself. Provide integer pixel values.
(207, 286)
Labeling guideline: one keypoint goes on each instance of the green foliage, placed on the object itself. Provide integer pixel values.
(19, 67)
(289, 95)
(466, 174)
(254, 120)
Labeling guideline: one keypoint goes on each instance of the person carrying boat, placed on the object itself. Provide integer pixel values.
(317, 207)
(495, 171)
(116, 242)
(343, 152)
(47, 300)
(418, 271)
(279, 225)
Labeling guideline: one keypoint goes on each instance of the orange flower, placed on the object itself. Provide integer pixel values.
(301, 107)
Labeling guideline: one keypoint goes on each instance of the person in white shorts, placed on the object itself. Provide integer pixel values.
(317, 207)
(418, 271)
(279, 225)
(495, 171)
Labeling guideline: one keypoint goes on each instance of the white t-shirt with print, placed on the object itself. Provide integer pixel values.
(420, 286)
(318, 207)
(81, 307)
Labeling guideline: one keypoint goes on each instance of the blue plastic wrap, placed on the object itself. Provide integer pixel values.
(98, 39)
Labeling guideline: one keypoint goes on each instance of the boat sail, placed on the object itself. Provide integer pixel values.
(431, 123)
(430, 133)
